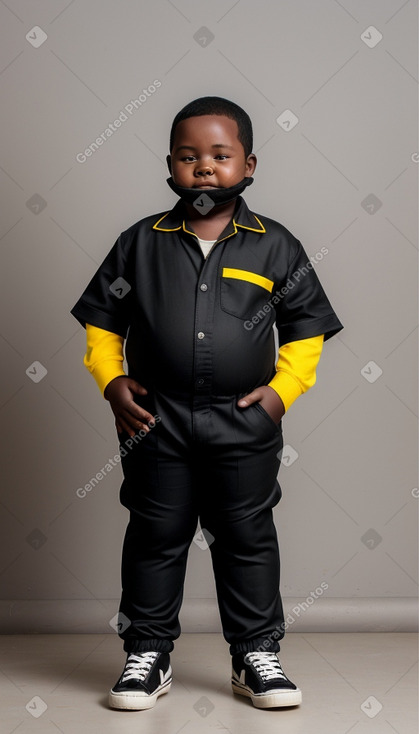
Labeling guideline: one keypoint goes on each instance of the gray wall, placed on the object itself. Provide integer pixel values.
(344, 178)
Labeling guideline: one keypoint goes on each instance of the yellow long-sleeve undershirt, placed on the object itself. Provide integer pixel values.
(295, 368)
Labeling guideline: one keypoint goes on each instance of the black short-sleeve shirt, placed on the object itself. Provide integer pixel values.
(205, 325)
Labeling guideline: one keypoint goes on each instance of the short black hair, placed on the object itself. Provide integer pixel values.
(217, 106)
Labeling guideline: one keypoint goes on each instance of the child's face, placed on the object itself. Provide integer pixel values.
(207, 152)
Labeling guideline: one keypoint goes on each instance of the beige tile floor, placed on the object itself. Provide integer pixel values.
(354, 682)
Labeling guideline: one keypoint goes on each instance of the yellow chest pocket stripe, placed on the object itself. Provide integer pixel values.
(250, 277)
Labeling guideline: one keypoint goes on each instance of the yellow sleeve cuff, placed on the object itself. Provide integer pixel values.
(104, 356)
(287, 387)
(296, 368)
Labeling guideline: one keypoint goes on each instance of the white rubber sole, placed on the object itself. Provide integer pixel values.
(136, 701)
(274, 699)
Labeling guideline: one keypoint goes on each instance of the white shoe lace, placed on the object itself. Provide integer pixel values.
(266, 664)
(138, 666)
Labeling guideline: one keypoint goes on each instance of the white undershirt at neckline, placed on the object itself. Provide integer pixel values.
(206, 245)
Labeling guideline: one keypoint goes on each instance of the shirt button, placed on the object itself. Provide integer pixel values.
(204, 287)
(200, 381)
(201, 334)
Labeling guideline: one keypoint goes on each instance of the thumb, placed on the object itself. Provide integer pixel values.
(249, 399)
(137, 388)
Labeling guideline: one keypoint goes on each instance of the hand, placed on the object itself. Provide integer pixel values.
(129, 416)
(269, 400)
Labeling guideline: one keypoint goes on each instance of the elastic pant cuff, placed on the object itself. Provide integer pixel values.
(161, 645)
(259, 644)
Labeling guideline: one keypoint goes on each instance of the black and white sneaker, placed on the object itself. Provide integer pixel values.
(146, 676)
(259, 676)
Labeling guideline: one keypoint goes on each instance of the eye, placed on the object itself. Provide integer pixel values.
(188, 158)
(222, 156)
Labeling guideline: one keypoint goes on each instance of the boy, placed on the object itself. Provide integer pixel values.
(196, 292)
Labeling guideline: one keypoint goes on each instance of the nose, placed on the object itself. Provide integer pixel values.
(204, 169)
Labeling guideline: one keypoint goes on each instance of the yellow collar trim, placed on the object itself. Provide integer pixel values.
(261, 230)
(161, 229)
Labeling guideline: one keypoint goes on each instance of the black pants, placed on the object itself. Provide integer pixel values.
(208, 459)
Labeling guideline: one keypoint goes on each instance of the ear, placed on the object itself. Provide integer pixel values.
(251, 162)
(169, 163)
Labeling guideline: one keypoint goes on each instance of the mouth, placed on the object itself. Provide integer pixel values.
(205, 186)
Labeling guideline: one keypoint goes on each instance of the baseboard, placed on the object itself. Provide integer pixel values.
(383, 614)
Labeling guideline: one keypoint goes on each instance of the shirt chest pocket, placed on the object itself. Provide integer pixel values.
(243, 293)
